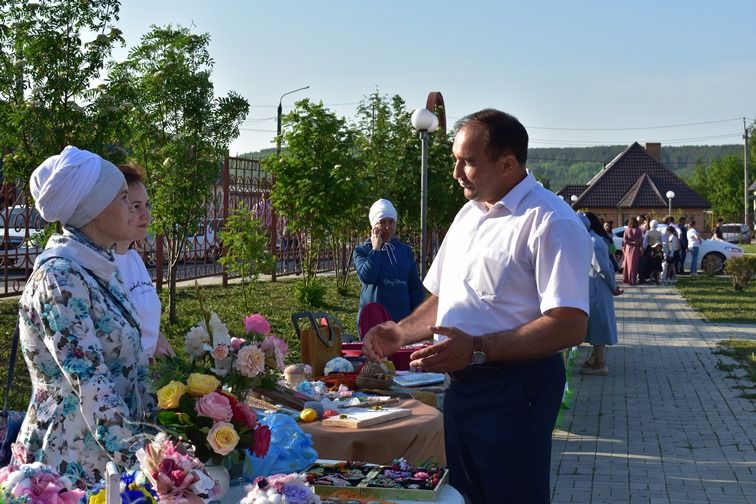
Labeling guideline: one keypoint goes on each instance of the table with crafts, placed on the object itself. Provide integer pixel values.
(417, 437)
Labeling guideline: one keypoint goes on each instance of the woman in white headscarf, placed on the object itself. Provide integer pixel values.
(386, 266)
(79, 333)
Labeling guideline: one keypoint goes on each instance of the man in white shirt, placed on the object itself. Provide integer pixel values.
(509, 291)
(694, 242)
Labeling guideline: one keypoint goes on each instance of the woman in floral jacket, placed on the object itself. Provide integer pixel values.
(79, 333)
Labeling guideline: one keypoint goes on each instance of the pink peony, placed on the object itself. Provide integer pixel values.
(256, 323)
(220, 352)
(215, 406)
(250, 361)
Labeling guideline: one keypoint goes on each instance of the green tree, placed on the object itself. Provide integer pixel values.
(315, 178)
(246, 249)
(179, 131)
(722, 184)
(51, 52)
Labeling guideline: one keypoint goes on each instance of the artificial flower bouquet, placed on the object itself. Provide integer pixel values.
(36, 483)
(135, 488)
(174, 474)
(281, 489)
(218, 425)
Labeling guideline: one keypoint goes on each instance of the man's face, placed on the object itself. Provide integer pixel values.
(481, 179)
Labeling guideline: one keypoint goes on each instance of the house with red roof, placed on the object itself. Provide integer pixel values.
(634, 183)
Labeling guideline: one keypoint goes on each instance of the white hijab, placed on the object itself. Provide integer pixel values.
(74, 187)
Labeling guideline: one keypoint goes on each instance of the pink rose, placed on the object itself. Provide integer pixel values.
(215, 406)
(236, 343)
(256, 323)
(220, 352)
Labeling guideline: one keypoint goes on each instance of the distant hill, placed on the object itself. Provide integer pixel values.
(558, 167)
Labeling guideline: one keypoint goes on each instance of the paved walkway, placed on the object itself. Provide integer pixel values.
(665, 426)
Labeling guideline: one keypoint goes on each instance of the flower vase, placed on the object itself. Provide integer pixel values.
(220, 474)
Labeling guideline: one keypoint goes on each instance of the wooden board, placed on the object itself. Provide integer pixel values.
(357, 418)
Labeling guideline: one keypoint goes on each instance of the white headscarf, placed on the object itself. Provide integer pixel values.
(382, 209)
(75, 186)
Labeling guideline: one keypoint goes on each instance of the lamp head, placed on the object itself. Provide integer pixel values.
(424, 120)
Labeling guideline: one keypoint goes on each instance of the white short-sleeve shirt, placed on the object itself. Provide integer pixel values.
(142, 295)
(501, 268)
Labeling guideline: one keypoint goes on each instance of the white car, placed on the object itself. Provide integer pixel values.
(711, 252)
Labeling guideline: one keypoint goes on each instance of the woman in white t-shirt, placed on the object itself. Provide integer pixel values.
(135, 276)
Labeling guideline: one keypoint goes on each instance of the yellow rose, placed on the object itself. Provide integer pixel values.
(201, 384)
(169, 396)
(223, 438)
(98, 498)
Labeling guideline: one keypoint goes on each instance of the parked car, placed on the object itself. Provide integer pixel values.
(711, 252)
(201, 245)
(736, 233)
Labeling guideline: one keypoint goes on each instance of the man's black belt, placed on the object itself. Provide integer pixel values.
(493, 370)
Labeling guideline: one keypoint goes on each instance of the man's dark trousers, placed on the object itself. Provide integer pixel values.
(497, 424)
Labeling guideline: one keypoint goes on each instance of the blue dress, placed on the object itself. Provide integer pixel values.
(602, 324)
(389, 277)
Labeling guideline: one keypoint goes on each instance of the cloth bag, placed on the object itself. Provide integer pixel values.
(319, 343)
(10, 421)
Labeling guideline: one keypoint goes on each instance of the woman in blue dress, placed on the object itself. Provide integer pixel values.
(602, 324)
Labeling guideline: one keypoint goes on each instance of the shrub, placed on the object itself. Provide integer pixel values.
(741, 270)
(310, 294)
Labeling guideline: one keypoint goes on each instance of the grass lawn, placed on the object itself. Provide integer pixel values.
(749, 249)
(274, 300)
(744, 354)
(717, 300)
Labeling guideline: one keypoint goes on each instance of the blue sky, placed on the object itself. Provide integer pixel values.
(601, 72)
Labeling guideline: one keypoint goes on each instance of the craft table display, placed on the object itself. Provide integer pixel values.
(417, 438)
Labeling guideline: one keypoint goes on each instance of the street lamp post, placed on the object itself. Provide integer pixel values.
(670, 195)
(273, 219)
(424, 121)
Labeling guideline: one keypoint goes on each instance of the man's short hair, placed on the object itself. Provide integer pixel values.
(504, 134)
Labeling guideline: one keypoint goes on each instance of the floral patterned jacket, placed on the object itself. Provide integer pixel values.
(85, 360)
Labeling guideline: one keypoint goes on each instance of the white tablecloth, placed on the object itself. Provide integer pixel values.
(448, 495)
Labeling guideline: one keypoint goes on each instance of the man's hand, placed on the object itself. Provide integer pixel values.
(382, 340)
(375, 238)
(452, 354)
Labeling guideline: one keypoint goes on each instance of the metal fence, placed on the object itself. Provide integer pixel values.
(242, 182)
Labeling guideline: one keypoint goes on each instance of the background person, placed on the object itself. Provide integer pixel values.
(682, 235)
(694, 242)
(506, 296)
(78, 331)
(134, 273)
(386, 266)
(632, 249)
(602, 324)
(718, 230)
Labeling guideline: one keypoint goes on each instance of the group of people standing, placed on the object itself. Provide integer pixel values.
(657, 253)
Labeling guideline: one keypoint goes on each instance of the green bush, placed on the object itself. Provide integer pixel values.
(310, 294)
(741, 270)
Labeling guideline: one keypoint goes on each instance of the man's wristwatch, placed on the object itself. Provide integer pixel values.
(478, 355)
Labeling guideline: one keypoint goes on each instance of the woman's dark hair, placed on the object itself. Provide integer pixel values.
(596, 225)
(132, 173)
(503, 133)
(633, 222)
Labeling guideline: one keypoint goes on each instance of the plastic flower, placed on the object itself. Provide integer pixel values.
(215, 406)
(37, 483)
(223, 438)
(195, 341)
(250, 361)
(284, 488)
(169, 396)
(256, 323)
(200, 384)
(219, 331)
